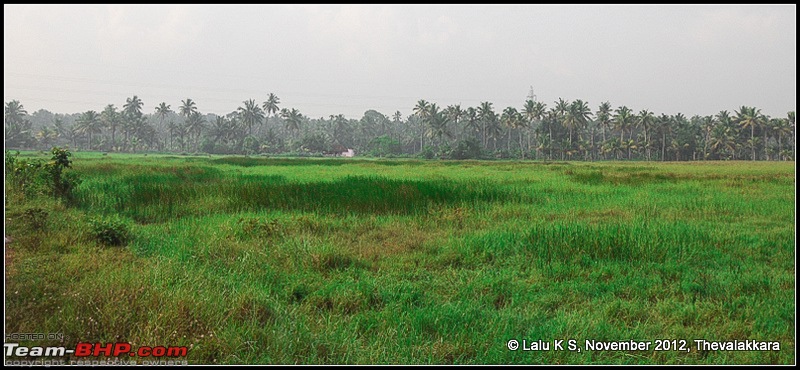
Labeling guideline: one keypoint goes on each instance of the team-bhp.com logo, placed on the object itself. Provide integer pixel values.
(95, 350)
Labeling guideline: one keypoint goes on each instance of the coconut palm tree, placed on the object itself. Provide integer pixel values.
(133, 106)
(723, 140)
(195, 123)
(14, 112)
(422, 110)
(46, 136)
(569, 121)
(752, 118)
(561, 107)
(528, 113)
(251, 113)
(512, 119)
(220, 130)
(437, 121)
(576, 115)
(471, 122)
(766, 130)
(557, 115)
(622, 121)
(781, 128)
(645, 120)
(485, 114)
(188, 107)
(534, 112)
(17, 127)
(494, 130)
(162, 111)
(111, 119)
(707, 124)
(89, 123)
(397, 120)
(604, 120)
(775, 126)
(293, 120)
(61, 128)
(131, 114)
(663, 124)
(454, 113)
(270, 106)
(172, 129)
(341, 130)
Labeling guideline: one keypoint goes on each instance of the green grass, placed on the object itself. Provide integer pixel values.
(336, 261)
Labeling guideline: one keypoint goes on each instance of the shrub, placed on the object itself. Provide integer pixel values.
(36, 177)
(427, 153)
(35, 217)
(466, 149)
(111, 231)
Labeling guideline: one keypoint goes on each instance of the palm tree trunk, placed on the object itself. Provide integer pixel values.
(529, 138)
(603, 127)
(570, 137)
(483, 139)
(421, 136)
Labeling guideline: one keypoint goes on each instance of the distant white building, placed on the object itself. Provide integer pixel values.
(348, 153)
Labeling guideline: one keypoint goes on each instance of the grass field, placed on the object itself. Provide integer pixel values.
(337, 261)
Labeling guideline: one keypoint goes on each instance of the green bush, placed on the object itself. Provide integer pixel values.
(466, 149)
(35, 217)
(111, 231)
(37, 177)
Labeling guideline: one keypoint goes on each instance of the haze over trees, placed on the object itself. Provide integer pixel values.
(561, 130)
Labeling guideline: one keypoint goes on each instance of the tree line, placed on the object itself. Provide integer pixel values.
(564, 131)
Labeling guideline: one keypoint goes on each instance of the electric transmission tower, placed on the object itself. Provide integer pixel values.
(531, 95)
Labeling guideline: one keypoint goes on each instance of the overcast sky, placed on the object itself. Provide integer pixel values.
(327, 60)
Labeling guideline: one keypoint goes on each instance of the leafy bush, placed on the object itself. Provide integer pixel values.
(466, 149)
(427, 153)
(112, 231)
(384, 146)
(36, 177)
(35, 217)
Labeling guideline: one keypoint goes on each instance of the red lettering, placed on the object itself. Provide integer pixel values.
(159, 351)
(105, 350)
(121, 348)
(83, 349)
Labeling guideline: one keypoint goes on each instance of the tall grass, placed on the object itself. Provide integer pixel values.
(251, 260)
(157, 197)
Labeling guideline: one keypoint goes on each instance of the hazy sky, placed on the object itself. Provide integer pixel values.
(327, 60)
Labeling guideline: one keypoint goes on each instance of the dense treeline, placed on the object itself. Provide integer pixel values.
(564, 131)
